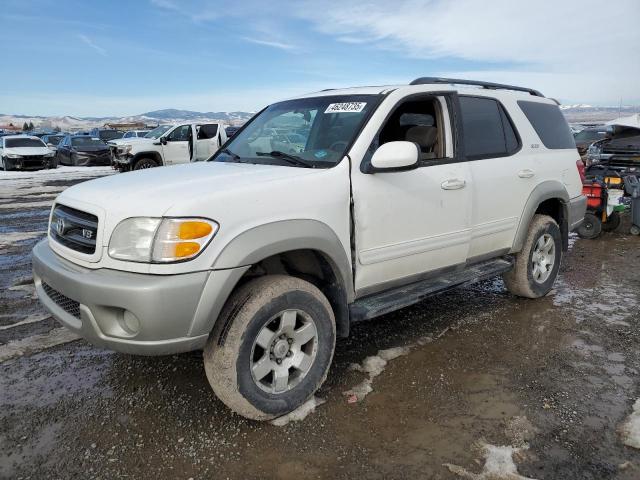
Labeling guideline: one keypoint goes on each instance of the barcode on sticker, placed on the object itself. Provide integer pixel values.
(346, 107)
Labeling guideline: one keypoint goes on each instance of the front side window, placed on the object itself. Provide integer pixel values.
(180, 134)
(306, 132)
(486, 128)
(23, 142)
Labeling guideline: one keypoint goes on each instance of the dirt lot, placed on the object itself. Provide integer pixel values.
(486, 383)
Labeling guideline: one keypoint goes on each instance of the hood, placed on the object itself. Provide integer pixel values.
(152, 192)
(26, 151)
(632, 121)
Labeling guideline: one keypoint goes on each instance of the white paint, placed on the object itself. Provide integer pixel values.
(36, 343)
(630, 429)
(498, 465)
(299, 413)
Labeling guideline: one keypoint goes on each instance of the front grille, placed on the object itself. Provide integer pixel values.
(70, 306)
(74, 229)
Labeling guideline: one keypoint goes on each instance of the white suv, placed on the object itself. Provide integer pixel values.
(261, 256)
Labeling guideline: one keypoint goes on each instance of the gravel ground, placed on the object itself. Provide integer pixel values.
(473, 384)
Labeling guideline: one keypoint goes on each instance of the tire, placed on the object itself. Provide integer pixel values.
(612, 223)
(145, 162)
(53, 163)
(255, 315)
(635, 230)
(537, 264)
(591, 227)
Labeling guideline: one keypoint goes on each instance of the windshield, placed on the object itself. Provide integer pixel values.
(110, 134)
(54, 140)
(589, 135)
(157, 132)
(316, 132)
(86, 142)
(23, 142)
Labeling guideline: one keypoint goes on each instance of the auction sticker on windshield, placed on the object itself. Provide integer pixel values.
(352, 107)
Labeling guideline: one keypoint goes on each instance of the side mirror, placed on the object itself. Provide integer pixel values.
(395, 155)
(163, 140)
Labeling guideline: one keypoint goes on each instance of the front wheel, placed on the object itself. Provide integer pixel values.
(537, 264)
(612, 223)
(272, 346)
(145, 163)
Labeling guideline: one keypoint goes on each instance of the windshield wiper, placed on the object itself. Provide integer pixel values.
(292, 159)
(235, 156)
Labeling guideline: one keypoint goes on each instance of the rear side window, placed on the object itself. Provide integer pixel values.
(549, 124)
(487, 130)
(207, 131)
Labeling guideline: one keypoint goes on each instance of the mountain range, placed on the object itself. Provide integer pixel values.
(574, 113)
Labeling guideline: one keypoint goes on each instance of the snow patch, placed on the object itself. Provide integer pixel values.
(11, 238)
(630, 429)
(498, 464)
(36, 343)
(299, 413)
(13, 179)
(25, 205)
(373, 366)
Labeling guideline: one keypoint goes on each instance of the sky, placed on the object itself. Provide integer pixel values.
(102, 58)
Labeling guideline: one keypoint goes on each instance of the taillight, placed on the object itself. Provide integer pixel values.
(580, 165)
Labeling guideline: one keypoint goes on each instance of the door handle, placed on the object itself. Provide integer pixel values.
(526, 173)
(453, 184)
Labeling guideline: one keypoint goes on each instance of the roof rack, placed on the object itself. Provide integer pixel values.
(487, 85)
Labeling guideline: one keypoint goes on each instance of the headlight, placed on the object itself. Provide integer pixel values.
(124, 149)
(13, 155)
(160, 240)
(49, 155)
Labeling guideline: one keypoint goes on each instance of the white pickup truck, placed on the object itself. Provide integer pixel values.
(168, 145)
(262, 257)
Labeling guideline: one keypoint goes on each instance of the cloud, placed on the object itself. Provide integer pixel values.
(572, 41)
(90, 43)
(270, 43)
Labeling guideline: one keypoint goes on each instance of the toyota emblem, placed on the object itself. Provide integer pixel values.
(60, 226)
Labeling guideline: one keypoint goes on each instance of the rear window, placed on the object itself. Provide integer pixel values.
(23, 142)
(487, 130)
(549, 123)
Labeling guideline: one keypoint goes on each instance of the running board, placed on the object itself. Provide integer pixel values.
(396, 298)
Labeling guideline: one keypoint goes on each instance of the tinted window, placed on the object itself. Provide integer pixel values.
(180, 134)
(86, 141)
(589, 135)
(207, 131)
(549, 124)
(486, 128)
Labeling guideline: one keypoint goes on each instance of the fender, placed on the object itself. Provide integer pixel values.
(148, 154)
(263, 241)
(546, 190)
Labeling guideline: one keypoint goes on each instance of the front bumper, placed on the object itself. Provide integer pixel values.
(133, 313)
(577, 209)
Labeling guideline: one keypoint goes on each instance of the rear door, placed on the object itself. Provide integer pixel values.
(178, 148)
(504, 176)
(207, 143)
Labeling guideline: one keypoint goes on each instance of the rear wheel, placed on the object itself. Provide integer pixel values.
(612, 223)
(145, 163)
(272, 347)
(537, 264)
(591, 226)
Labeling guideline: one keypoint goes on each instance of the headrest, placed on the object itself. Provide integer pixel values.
(424, 136)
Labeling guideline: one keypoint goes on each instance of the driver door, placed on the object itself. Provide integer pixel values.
(417, 221)
(178, 147)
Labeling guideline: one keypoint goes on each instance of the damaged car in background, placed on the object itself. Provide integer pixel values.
(82, 151)
(620, 149)
(21, 152)
(168, 145)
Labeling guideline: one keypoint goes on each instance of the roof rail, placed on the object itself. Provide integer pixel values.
(487, 85)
